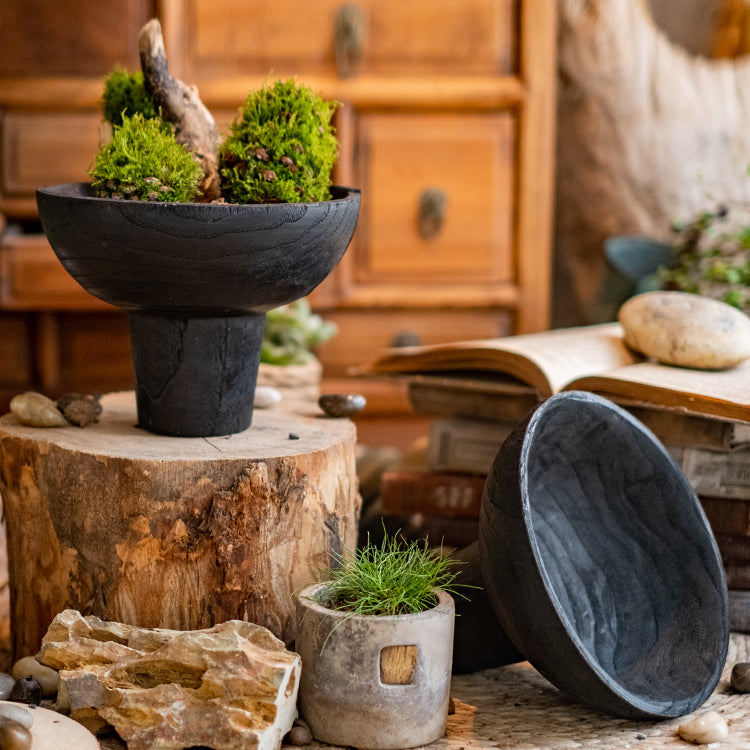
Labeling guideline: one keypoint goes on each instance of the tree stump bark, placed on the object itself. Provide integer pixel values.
(179, 533)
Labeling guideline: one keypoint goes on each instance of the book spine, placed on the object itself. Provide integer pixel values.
(442, 494)
(715, 473)
(465, 445)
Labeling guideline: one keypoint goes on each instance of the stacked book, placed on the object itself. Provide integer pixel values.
(476, 391)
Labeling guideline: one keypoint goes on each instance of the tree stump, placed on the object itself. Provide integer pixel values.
(179, 533)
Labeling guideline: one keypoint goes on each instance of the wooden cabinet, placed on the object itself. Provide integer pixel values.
(446, 125)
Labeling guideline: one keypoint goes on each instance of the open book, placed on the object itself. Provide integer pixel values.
(589, 358)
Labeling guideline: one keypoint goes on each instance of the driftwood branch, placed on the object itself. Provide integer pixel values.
(180, 105)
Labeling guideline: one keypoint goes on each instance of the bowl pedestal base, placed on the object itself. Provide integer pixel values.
(195, 376)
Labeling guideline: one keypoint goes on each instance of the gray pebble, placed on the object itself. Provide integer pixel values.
(266, 396)
(6, 685)
(341, 404)
(741, 676)
(47, 677)
(18, 713)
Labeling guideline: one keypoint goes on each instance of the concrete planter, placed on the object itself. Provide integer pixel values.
(378, 683)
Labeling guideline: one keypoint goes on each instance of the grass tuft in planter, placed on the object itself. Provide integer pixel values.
(376, 642)
(393, 578)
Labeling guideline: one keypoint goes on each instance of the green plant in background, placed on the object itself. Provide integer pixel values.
(143, 161)
(281, 147)
(291, 331)
(393, 578)
(712, 256)
(125, 94)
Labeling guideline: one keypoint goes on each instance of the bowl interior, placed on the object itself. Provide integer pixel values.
(620, 556)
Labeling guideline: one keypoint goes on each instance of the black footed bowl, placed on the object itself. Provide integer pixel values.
(196, 258)
(196, 280)
(599, 563)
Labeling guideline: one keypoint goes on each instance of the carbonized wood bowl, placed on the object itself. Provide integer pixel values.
(599, 563)
(196, 280)
(196, 258)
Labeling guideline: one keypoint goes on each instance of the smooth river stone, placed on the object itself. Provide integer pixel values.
(36, 410)
(6, 685)
(341, 404)
(14, 712)
(14, 736)
(704, 729)
(266, 396)
(678, 328)
(53, 730)
(741, 677)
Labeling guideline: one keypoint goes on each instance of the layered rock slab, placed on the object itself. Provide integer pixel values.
(230, 686)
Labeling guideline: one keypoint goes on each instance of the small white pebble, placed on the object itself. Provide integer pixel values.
(704, 729)
(266, 396)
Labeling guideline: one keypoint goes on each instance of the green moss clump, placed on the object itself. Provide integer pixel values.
(125, 93)
(281, 148)
(143, 161)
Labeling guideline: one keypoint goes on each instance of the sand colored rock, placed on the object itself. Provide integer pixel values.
(230, 686)
(678, 328)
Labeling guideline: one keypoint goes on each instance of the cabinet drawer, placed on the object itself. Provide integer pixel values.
(46, 149)
(241, 37)
(362, 335)
(75, 37)
(32, 278)
(466, 159)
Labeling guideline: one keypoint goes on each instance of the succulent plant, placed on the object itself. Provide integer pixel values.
(291, 331)
(712, 256)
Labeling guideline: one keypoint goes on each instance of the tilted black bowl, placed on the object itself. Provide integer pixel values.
(599, 563)
(196, 280)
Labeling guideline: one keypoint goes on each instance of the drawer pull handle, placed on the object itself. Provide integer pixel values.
(348, 38)
(432, 205)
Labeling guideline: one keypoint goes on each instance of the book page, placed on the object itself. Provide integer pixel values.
(546, 361)
(718, 393)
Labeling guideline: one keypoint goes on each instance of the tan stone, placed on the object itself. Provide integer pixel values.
(37, 410)
(230, 686)
(678, 328)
